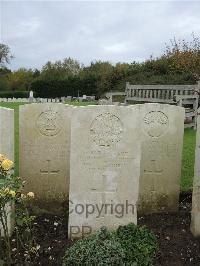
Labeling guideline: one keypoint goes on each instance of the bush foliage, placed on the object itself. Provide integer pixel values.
(15, 94)
(128, 245)
(178, 64)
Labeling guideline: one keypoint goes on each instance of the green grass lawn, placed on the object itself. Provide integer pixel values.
(188, 147)
(188, 159)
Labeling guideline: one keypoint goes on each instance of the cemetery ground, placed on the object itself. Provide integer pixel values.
(177, 246)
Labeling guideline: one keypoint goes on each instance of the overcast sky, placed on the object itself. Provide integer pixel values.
(125, 31)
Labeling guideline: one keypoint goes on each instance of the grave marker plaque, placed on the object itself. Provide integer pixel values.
(162, 140)
(44, 152)
(105, 166)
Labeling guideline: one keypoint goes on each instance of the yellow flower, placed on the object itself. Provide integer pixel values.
(12, 193)
(7, 164)
(2, 157)
(30, 195)
(6, 190)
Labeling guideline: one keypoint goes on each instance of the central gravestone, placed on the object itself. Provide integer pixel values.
(44, 152)
(162, 139)
(104, 168)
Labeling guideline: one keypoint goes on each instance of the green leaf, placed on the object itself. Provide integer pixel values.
(19, 222)
(2, 263)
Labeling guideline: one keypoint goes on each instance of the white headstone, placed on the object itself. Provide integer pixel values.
(31, 94)
(195, 215)
(63, 99)
(162, 140)
(44, 152)
(7, 148)
(104, 168)
(69, 98)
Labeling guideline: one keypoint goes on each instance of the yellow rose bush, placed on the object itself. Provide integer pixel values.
(8, 184)
(6, 165)
(11, 194)
(2, 157)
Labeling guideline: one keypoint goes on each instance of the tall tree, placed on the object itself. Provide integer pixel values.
(21, 79)
(184, 56)
(61, 69)
(5, 54)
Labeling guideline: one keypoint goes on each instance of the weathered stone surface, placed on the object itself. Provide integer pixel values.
(9, 208)
(104, 168)
(7, 148)
(162, 139)
(44, 152)
(7, 132)
(195, 217)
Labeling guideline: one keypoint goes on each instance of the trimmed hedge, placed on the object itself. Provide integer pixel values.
(64, 87)
(14, 94)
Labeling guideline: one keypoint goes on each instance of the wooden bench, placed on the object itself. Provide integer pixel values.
(158, 93)
(190, 103)
(183, 95)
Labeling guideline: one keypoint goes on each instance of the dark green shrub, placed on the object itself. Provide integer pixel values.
(98, 249)
(71, 86)
(15, 94)
(138, 243)
(128, 245)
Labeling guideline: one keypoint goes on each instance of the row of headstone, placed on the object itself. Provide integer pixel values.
(97, 150)
(13, 100)
(32, 100)
(45, 100)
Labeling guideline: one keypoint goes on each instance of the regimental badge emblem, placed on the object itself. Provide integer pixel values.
(49, 123)
(106, 130)
(156, 123)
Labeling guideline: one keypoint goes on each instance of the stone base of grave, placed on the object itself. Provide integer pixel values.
(49, 207)
(10, 220)
(195, 224)
(160, 203)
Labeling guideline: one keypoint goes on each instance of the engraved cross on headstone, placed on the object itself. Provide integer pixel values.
(103, 192)
(152, 166)
(48, 170)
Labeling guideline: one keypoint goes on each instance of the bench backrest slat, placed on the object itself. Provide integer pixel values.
(162, 93)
